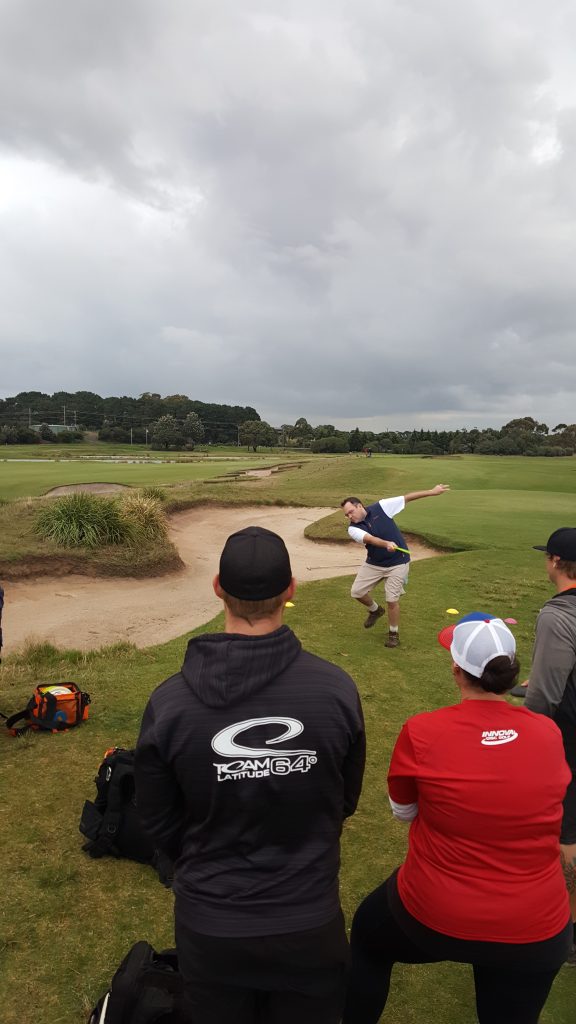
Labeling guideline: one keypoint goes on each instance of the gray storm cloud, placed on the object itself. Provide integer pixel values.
(349, 212)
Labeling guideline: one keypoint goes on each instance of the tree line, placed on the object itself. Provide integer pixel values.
(119, 419)
(178, 422)
(521, 436)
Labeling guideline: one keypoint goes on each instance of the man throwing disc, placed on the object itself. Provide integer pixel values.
(387, 556)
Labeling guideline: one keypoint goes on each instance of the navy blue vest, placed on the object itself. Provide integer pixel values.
(380, 525)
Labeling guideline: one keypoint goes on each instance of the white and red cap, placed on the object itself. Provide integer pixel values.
(475, 640)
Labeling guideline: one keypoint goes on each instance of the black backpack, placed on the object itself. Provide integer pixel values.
(146, 989)
(111, 823)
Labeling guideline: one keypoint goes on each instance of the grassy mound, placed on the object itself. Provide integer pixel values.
(143, 516)
(85, 520)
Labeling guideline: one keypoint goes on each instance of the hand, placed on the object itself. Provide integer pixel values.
(525, 683)
(440, 488)
(390, 545)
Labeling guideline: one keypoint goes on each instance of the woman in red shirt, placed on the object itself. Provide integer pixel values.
(482, 784)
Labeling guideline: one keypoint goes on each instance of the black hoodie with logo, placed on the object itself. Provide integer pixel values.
(248, 761)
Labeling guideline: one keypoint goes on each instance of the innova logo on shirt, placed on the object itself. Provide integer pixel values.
(258, 762)
(496, 737)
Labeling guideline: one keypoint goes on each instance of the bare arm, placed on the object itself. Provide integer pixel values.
(432, 493)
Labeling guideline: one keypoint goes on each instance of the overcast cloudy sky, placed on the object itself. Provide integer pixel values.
(358, 211)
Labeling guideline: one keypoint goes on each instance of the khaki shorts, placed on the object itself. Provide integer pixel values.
(395, 579)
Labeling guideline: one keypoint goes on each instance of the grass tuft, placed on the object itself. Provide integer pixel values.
(157, 493)
(83, 520)
(143, 517)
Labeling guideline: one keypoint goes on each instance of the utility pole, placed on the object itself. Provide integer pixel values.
(130, 435)
(64, 407)
(146, 429)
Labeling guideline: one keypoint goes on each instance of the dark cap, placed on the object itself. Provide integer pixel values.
(255, 565)
(561, 543)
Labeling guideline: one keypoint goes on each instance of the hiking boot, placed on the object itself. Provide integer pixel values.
(373, 617)
(393, 640)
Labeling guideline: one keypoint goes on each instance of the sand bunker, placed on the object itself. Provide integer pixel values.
(84, 613)
(56, 492)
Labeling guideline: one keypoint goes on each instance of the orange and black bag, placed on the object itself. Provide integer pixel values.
(53, 707)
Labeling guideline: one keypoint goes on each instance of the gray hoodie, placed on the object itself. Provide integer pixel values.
(552, 687)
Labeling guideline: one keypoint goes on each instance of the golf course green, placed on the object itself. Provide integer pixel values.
(73, 918)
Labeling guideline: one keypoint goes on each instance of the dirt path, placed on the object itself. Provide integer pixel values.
(86, 613)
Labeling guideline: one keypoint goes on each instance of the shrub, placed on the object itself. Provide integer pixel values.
(142, 516)
(330, 444)
(156, 493)
(83, 520)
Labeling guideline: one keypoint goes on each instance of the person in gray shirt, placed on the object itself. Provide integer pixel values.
(552, 685)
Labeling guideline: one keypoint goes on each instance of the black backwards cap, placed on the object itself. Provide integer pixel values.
(561, 543)
(255, 565)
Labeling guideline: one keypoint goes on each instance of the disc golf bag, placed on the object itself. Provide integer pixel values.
(146, 989)
(111, 824)
(51, 708)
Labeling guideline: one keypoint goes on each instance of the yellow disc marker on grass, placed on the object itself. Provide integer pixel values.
(289, 604)
(452, 611)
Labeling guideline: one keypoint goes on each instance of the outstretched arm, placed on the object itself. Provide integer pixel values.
(439, 489)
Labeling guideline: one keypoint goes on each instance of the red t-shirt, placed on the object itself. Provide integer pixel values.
(483, 857)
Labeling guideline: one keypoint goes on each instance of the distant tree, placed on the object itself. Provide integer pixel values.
(166, 433)
(329, 444)
(303, 432)
(14, 434)
(559, 427)
(69, 436)
(325, 430)
(46, 433)
(356, 440)
(192, 429)
(526, 423)
(425, 448)
(111, 432)
(254, 433)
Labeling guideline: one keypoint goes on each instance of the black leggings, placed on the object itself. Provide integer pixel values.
(506, 993)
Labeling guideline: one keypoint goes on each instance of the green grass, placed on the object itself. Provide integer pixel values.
(24, 479)
(56, 891)
(83, 520)
(110, 449)
(67, 920)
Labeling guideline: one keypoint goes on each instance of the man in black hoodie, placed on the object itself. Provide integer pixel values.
(253, 819)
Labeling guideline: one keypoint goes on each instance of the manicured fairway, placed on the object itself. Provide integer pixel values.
(23, 479)
(67, 917)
